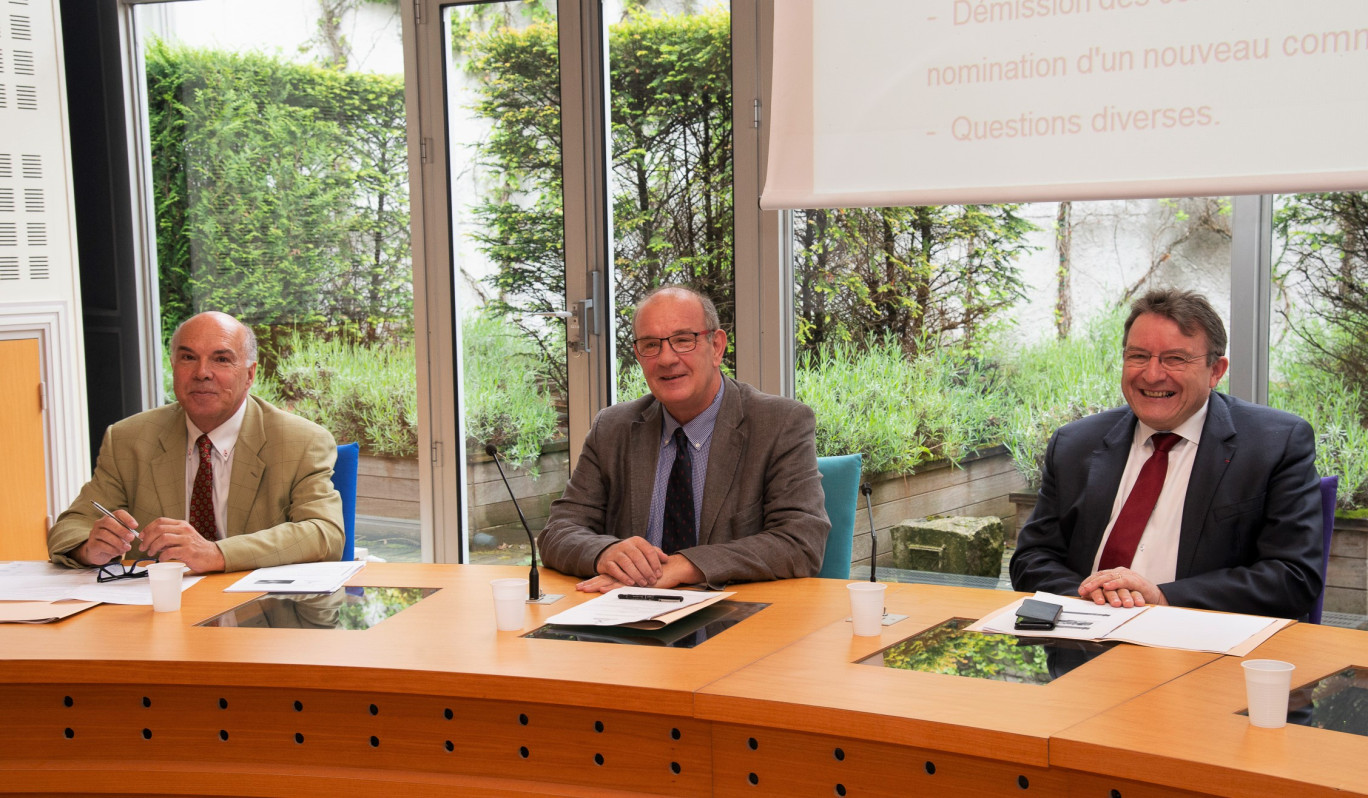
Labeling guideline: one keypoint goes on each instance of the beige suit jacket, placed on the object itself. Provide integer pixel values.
(282, 507)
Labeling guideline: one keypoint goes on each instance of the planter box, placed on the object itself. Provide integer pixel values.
(978, 487)
(1346, 579)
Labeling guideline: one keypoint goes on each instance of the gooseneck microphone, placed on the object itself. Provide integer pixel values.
(868, 493)
(533, 578)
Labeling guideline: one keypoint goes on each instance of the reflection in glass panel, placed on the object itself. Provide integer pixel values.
(1339, 702)
(671, 183)
(932, 335)
(349, 608)
(280, 176)
(947, 648)
(504, 150)
(1318, 347)
(687, 632)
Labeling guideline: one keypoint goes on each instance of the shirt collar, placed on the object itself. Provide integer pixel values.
(701, 427)
(224, 437)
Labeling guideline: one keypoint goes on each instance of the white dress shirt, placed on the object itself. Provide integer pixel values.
(1156, 558)
(223, 441)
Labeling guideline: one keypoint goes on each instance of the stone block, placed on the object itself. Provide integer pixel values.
(955, 545)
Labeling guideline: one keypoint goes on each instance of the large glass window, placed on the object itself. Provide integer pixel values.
(670, 83)
(1319, 341)
(965, 335)
(280, 180)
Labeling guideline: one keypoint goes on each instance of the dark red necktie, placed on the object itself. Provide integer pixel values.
(679, 499)
(202, 494)
(1135, 513)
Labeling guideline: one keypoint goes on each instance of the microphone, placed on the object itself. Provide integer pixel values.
(868, 492)
(533, 578)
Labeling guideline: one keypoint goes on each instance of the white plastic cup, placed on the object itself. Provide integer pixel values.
(165, 581)
(360, 553)
(866, 608)
(510, 604)
(1268, 684)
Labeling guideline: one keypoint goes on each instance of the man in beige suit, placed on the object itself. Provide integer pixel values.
(257, 480)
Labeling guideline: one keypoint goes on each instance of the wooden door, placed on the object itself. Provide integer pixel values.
(23, 481)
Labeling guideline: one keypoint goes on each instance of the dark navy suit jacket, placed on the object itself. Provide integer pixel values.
(1251, 537)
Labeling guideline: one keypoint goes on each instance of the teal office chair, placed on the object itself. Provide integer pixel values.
(344, 482)
(841, 484)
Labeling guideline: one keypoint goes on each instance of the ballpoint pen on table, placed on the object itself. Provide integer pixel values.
(649, 597)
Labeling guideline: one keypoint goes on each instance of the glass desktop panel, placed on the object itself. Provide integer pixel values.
(687, 632)
(949, 648)
(350, 608)
(1338, 702)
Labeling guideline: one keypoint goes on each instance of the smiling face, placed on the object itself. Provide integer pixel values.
(1159, 397)
(210, 370)
(685, 384)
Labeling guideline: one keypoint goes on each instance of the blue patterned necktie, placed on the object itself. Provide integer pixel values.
(679, 499)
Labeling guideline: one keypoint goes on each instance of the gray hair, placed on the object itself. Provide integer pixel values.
(710, 318)
(1189, 310)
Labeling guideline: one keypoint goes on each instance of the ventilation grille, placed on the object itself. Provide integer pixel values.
(34, 228)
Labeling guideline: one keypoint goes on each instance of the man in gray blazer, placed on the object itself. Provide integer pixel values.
(265, 498)
(1236, 525)
(704, 480)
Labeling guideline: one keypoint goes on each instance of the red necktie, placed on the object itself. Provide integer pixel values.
(679, 498)
(202, 495)
(1135, 513)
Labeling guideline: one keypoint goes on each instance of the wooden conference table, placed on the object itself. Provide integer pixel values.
(434, 701)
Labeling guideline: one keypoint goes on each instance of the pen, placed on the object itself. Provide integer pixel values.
(106, 511)
(1098, 614)
(648, 597)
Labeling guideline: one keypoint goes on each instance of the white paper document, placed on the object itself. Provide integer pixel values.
(627, 605)
(309, 577)
(29, 580)
(1161, 627)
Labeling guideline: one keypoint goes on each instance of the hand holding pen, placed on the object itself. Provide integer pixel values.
(109, 539)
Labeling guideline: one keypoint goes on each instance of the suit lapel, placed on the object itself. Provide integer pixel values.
(1215, 450)
(643, 447)
(1105, 467)
(724, 458)
(168, 468)
(247, 469)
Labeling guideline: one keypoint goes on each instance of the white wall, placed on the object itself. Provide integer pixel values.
(39, 288)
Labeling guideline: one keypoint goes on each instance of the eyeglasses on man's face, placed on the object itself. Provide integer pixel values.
(1169, 361)
(679, 342)
(115, 570)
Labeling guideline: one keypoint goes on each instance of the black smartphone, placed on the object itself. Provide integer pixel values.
(1037, 616)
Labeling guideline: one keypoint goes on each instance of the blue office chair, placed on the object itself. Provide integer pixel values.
(344, 482)
(841, 484)
(1329, 486)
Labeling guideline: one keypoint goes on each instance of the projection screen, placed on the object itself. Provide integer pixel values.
(921, 102)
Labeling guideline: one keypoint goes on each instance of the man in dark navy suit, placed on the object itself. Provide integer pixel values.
(1231, 521)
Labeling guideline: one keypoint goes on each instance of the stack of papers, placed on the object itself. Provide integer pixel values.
(637, 607)
(311, 577)
(1161, 627)
(42, 582)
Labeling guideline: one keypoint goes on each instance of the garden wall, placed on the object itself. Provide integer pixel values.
(980, 486)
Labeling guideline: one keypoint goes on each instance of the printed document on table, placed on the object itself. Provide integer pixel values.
(309, 577)
(611, 609)
(1080, 620)
(29, 580)
(1158, 626)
